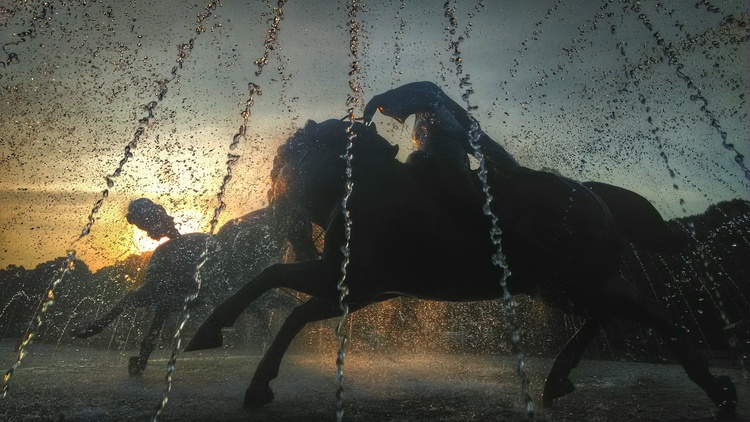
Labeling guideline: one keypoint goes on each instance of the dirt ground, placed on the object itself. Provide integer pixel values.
(81, 384)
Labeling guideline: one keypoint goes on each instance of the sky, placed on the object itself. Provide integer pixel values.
(581, 87)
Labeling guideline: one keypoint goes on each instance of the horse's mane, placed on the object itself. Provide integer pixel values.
(328, 135)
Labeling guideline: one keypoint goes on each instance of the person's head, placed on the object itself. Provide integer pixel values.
(423, 127)
(151, 218)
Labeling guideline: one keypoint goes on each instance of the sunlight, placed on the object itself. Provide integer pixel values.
(187, 221)
(143, 243)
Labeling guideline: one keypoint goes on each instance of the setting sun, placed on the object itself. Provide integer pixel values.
(143, 243)
(186, 221)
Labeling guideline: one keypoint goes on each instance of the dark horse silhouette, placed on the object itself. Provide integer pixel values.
(419, 230)
(241, 248)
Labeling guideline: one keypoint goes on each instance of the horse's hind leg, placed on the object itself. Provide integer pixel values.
(316, 278)
(557, 383)
(97, 326)
(137, 364)
(259, 392)
(621, 299)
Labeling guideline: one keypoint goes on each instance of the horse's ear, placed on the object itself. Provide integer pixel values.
(376, 142)
(394, 150)
(366, 128)
(310, 126)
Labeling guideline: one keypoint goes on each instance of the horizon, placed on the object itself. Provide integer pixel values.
(596, 104)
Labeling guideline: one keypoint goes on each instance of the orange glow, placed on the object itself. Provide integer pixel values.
(143, 243)
(187, 221)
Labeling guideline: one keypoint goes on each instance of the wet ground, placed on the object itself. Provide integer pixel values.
(92, 385)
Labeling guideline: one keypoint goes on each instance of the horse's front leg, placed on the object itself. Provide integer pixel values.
(259, 392)
(137, 364)
(315, 278)
(557, 383)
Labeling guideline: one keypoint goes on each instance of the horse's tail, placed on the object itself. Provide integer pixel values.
(638, 220)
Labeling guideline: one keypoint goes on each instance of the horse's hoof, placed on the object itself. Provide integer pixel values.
(724, 395)
(207, 337)
(257, 396)
(556, 389)
(83, 332)
(136, 366)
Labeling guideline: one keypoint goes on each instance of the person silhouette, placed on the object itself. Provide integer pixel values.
(240, 250)
(151, 218)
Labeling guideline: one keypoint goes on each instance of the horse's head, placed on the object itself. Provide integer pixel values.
(308, 172)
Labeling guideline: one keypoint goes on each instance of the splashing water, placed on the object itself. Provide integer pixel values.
(68, 265)
(114, 332)
(132, 325)
(38, 320)
(273, 31)
(46, 13)
(673, 163)
(73, 315)
(197, 277)
(13, 300)
(669, 52)
(498, 258)
(353, 99)
(397, 47)
(662, 151)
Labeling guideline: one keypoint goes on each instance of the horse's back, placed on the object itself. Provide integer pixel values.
(553, 227)
(171, 270)
(405, 240)
(251, 242)
(557, 221)
(637, 219)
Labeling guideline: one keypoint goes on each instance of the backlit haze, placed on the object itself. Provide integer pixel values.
(580, 87)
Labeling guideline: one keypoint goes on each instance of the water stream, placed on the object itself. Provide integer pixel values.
(498, 258)
(232, 159)
(353, 102)
(629, 93)
(68, 265)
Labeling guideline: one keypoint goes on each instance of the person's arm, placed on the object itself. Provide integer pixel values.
(443, 116)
